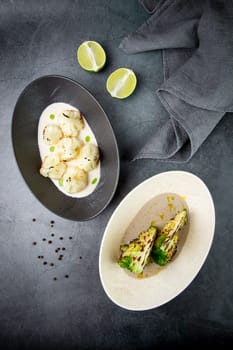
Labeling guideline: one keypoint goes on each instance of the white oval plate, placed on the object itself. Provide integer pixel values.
(146, 293)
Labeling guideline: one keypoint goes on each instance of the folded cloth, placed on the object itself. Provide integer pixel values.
(196, 39)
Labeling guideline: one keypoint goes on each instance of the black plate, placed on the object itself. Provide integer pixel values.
(32, 101)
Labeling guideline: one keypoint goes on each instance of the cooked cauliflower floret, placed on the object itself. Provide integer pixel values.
(71, 122)
(75, 180)
(135, 255)
(88, 157)
(165, 245)
(72, 114)
(52, 167)
(69, 147)
(52, 134)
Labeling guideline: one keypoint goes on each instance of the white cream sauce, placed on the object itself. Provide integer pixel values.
(50, 116)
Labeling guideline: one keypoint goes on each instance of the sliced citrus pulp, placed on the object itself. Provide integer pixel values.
(121, 83)
(91, 56)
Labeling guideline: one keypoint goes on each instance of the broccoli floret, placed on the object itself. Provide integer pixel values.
(165, 245)
(135, 255)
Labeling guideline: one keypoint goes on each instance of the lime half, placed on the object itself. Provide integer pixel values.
(91, 56)
(121, 83)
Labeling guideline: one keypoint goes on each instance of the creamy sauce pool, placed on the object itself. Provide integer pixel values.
(49, 116)
(158, 210)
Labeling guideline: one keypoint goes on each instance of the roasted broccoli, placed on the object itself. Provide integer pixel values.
(165, 245)
(135, 255)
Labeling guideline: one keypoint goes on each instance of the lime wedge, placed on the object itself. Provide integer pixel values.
(91, 56)
(121, 83)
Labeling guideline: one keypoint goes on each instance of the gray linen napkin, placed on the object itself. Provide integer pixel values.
(196, 39)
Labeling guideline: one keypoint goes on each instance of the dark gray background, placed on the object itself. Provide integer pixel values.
(39, 38)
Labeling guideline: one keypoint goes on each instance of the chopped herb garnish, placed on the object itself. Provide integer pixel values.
(52, 148)
(52, 116)
(87, 138)
(94, 181)
(60, 182)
